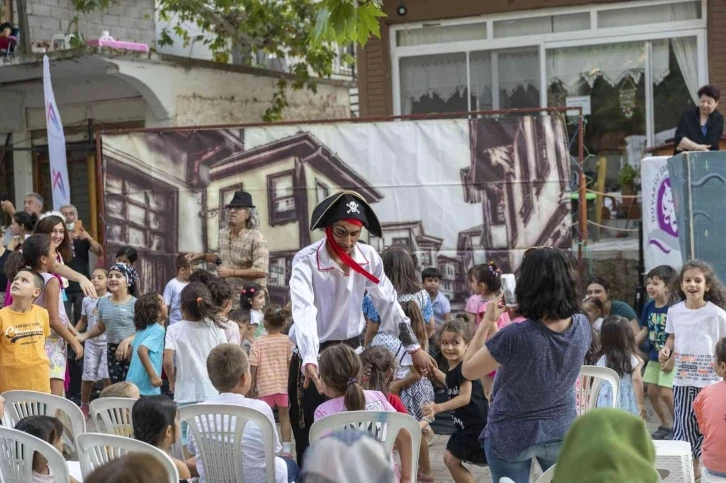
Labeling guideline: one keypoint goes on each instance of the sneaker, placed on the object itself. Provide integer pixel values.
(662, 433)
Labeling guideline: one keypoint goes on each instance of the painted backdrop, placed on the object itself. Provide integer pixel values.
(456, 192)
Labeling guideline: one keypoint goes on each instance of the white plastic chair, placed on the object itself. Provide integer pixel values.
(16, 457)
(547, 476)
(383, 425)
(590, 382)
(112, 415)
(96, 449)
(21, 404)
(217, 430)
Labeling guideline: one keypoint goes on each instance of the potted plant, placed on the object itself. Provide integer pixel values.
(627, 178)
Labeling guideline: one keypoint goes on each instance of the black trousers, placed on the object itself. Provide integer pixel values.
(304, 402)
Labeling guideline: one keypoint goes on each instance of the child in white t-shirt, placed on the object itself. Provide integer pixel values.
(172, 292)
(229, 370)
(253, 298)
(188, 344)
(694, 326)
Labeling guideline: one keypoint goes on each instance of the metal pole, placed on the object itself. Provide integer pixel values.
(582, 196)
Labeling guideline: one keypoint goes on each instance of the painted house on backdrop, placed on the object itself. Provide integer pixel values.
(411, 235)
(469, 247)
(523, 186)
(287, 179)
(453, 277)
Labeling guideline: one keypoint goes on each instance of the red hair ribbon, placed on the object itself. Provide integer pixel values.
(344, 257)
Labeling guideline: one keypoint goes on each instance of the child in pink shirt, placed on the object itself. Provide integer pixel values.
(339, 370)
(710, 409)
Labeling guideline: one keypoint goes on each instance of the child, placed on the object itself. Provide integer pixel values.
(229, 371)
(50, 430)
(127, 255)
(188, 343)
(172, 292)
(620, 354)
(150, 312)
(95, 365)
(339, 371)
(116, 319)
(252, 298)
(592, 306)
(466, 399)
(156, 422)
(39, 254)
(24, 327)
(202, 276)
(659, 377)
(222, 297)
(247, 332)
(136, 467)
(124, 389)
(378, 371)
(693, 326)
(431, 278)
(269, 363)
(710, 408)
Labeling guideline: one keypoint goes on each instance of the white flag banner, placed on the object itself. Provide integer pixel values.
(660, 229)
(56, 144)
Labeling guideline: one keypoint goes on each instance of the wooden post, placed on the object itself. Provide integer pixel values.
(92, 199)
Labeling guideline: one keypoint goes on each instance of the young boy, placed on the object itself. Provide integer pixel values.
(431, 278)
(659, 377)
(23, 329)
(229, 371)
(172, 292)
(247, 332)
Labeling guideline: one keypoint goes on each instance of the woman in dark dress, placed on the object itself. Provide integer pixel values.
(700, 128)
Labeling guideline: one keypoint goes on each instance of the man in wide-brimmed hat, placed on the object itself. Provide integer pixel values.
(329, 279)
(243, 255)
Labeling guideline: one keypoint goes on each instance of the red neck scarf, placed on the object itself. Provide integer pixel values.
(344, 257)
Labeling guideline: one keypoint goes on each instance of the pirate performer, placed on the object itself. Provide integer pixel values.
(329, 280)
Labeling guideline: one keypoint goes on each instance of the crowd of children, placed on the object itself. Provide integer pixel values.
(212, 354)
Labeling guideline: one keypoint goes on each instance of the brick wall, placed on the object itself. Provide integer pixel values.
(125, 20)
(716, 44)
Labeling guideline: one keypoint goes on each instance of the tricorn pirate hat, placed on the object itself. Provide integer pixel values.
(345, 205)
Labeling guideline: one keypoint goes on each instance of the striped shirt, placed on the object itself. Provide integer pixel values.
(271, 355)
(118, 319)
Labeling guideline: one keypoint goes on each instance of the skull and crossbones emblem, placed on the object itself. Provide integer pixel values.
(352, 207)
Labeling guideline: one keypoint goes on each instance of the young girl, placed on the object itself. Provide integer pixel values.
(486, 280)
(620, 353)
(252, 298)
(188, 344)
(39, 254)
(466, 399)
(269, 364)
(247, 332)
(222, 297)
(710, 408)
(379, 367)
(116, 319)
(695, 325)
(156, 422)
(50, 430)
(95, 365)
(592, 306)
(339, 372)
(150, 314)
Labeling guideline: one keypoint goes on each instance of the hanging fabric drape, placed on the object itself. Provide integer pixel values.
(441, 75)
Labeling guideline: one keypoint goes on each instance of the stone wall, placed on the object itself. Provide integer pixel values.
(125, 20)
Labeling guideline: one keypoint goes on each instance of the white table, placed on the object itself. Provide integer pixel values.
(674, 457)
(74, 468)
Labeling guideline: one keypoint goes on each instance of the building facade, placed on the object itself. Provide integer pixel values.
(635, 66)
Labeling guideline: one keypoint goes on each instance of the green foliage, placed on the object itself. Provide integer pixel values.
(347, 21)
(627, 176)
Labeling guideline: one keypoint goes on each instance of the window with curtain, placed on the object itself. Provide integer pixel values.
(676, 90)
(441, 34)
(649, 14)
(434, 83)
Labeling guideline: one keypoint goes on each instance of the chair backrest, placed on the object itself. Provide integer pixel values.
(112, 415)
(547, 476)
(382, 425)
(590, 382)
(21, 404)
(217, 430)
(96, 449)
(16, 457)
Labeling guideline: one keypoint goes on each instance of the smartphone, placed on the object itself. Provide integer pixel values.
(509, 285)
